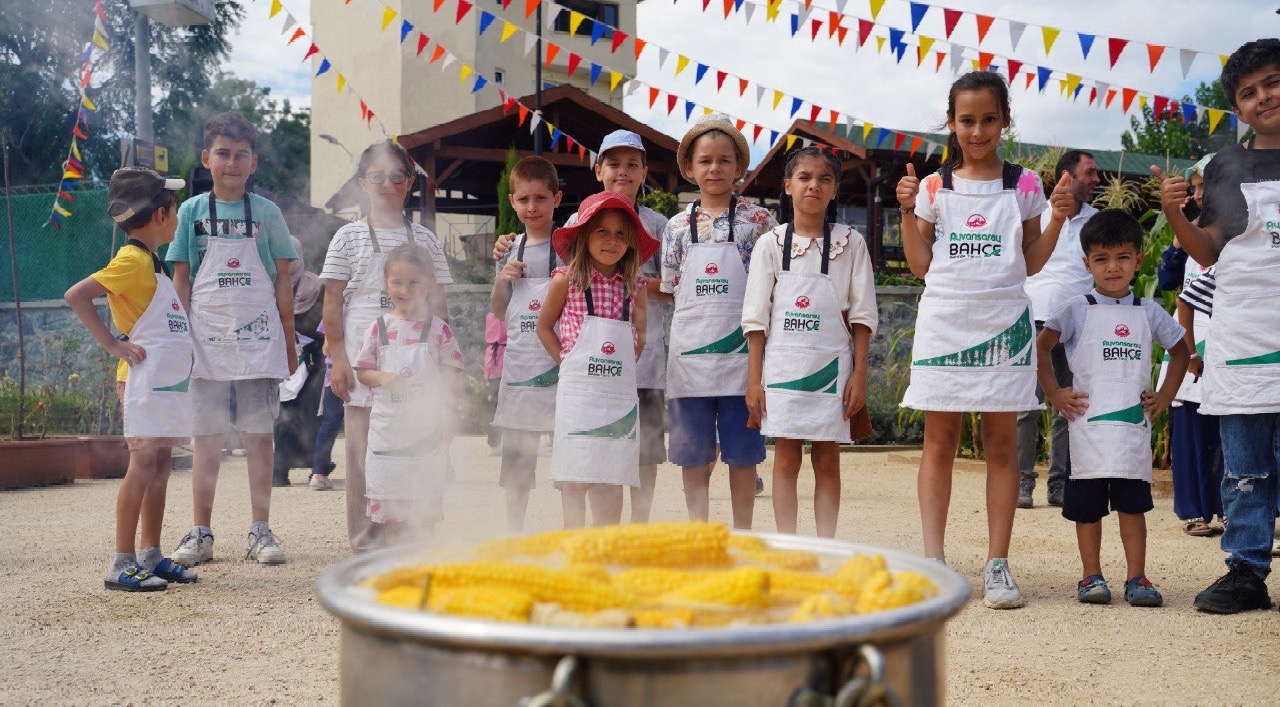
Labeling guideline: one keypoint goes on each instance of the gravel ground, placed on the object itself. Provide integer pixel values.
(248, 634)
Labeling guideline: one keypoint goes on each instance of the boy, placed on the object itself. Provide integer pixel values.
(1108, 335)
(155, 354)
(229, 247)
(527, 392)
(1239, 230)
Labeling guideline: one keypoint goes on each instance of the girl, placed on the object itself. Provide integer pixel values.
(974, 239)
(705, 257)
(411, 362)
(353, 277)
(602, 324)
(811, 283)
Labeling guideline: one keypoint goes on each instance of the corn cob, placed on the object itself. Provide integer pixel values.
(596, 572)
(573, 592)
(745, 587)
(652, 545)
(401, 596)
(663, 618)
(537, 545)
(655, 581)
(798, 560)
(786, 587)
(555, 615)
(410, 576)
(747, 543)
(859, 568)
(822, 606)
(482, 602)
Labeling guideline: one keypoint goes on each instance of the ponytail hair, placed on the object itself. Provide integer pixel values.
(786, 210)
(973, 81)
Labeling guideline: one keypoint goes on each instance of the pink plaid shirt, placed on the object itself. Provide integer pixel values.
(606, 294)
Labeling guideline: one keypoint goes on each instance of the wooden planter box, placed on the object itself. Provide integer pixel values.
(101, 457)
(38, 462)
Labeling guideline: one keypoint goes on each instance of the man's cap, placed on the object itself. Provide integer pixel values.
(619, 138)
(707, 123)
(134, 190)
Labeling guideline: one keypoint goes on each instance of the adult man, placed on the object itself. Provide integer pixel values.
(1063, 277)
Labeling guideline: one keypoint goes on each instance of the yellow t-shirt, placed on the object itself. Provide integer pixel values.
(130, 281)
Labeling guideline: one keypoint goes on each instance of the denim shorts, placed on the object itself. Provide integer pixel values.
(1086, 500)
(694, 426)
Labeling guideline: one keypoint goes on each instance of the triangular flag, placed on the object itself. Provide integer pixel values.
(755, 137)
(311, 50)
(324, 66)
(720, 76)
(275, 8)
(897, 140)
(575, 20)
(437, 53)
(813, 114)
(640, 45)
(598, 30)
(834, 117)
(742, 86)
(1189, 113)
(75, 130)
(1185, 57)
(1015, 33)
(875, 7)
(61, 210)
(524, 112)
(1111, 96)
(530, 6)
(777, 97)
(866, 131)
(653, 95)
(1161, 103)
(614, 78)
(297, 33)
(1073, 83)
(1222, 58)
(938, 66)
(618, 38)
(423, 40)
(918, 10)
(791, 140)
(98, 40)
(760, 95)
(1043, 73)
(864, 31)
(984, 26)
(508, 29)
(552, 50)
(435, 5)
(795, 106)
(957, 60)
(699, 73)
(1115, 46)
(1015, 67)
(486, 19)
(1154, 52)
(815, 26)
(463, 73)
(1030, 77)
(671, 103)
(387, 16)
(915, 145)
(984, 60)
(75, 148)
(342, 82)
(682, 62)
(530, 41)
(1086, 43)
(1050, 36)
(949, 19)
(663, 53)
(895, 38)
(1127, 94)
(595, 72)
(480, 82)
(688, 110)
(926, 43)
(405, 28)
(1215, 117)
(574, 60)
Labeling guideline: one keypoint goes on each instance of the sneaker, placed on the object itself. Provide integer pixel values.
(759, 485)
(1001, 591)
(195, 547)
(1240, 589)
(265, 548)
(1140, 592)
(1026, 485)
(495, 450)
(1094, 590)
(320, 482)
(1055, 495)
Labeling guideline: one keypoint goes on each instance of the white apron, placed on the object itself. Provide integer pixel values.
(597, 407)
(408, 455)
(1242, 356)
(367, 303)
(974, 344)
(807, 356)
(156, 401)
(234, 318)
(527, 394)
(708, 352)
(1112, 363)
(1190, 390)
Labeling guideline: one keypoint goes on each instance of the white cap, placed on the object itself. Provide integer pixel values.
(619, 138)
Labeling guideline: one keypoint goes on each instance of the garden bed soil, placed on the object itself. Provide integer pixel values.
(38, 462)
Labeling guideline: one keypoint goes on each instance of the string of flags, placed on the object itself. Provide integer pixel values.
(73, 168)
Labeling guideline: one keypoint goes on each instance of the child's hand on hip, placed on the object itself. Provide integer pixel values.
(1154, 403)
(131, 353)
(1069, 402)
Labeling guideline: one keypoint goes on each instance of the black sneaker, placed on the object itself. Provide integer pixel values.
(1026, 486)
(1240, 589)
(1055, 495)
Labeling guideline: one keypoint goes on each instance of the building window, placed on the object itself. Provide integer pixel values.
(606, 13)
(499, 76)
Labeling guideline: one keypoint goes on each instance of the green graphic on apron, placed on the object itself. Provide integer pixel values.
(1133, 416)
(176, 387)
(1263, 360)
(1199, 352)
(995, 351)
(625, 427)
(421, 448)
(731, 344)
(257, 330)
(542, 380)
(824, 381)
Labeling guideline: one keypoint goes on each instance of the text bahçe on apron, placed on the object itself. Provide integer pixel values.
(156, 400)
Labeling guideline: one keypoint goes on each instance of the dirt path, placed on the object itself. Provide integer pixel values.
(247, 634)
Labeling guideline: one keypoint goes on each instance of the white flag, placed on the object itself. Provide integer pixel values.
(289, 22)
(840, 5)
(957, 59)
(530, 41)
(1186, 56)
(533, 124)
(759, 94)
(1015, 33)
(750, 12)
(662, 56)
(448, 59)
(1102, 87)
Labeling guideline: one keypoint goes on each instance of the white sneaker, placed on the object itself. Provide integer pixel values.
(320, 482)
(1275, 547)
(1001, 591)
(265, 548)
(195, 547)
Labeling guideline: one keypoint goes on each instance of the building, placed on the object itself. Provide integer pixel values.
(409, 95)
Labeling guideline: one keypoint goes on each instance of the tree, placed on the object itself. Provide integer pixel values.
(1171, 136)
(507, 222)
(40, 46)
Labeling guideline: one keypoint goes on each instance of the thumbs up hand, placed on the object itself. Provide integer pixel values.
(908, 188)
(1063, 200)
(1174, 191)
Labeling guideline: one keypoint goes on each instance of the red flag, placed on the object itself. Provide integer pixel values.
(817, 25)
(864, 31)
(618, 38)
(97, 9)
(915, 145)
(1115, 46)
(833, 23)
(653, 96)
(720, 76)
(671, 103)
(311, 51)
(639, 47)
(530, 6)
(1030, 77)
(422, 42)
(437, 53)
(438, 3)
(756, 133)
(705, 4)
(1111, 95)
(742, 87)
(1162, 102)
(574, 60)
(843, 32)
(950, 18)
(364, 109)
(985, 59)
(1175, 111)
(1093, 95)
(984, 25)
(834, 117)
(1154, 52)
(739, 124)
(66, 196)
(808, 4)
(1014, 67)
(941, 56)
(813, 114)
(297, 33)
(79, 133)
(1129, 94)
(524, 113)
(582, 153)
(463, 8)
(728, 8)
(897, 141)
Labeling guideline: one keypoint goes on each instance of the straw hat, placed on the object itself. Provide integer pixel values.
(707, 123)
(563, 238)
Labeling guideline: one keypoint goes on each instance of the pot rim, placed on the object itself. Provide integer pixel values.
(338, 595)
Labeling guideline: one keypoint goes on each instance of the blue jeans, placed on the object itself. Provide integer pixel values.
(327, 432)
(1250, 487)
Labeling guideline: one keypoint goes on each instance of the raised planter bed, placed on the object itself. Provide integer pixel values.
(38, 462)
(101, 457)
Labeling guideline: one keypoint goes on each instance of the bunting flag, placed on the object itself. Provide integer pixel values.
(73, 169)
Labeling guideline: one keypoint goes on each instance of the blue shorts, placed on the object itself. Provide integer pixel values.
(695, 422)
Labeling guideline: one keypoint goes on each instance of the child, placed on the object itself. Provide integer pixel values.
(155, 354)
(974, 240)
(355, 296)
(1108, 335)
(330, 423)
(495, 347)
(622, 167)
(527, 394)
(602, 332)
(706, 254)
(410, 361)
(804, 383)
(242, 323)
(1237, 231)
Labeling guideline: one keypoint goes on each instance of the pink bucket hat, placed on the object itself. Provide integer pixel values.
(594, 204)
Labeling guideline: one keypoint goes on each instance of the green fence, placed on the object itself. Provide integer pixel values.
(50, 261)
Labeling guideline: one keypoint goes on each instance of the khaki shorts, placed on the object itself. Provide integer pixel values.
(256, 402)
(138, 444)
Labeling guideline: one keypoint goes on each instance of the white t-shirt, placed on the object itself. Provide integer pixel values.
(348, 256)
(1068, 321)
(1064, 274)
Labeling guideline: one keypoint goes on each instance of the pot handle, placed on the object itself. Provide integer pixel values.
(859, 691)
(561, 693)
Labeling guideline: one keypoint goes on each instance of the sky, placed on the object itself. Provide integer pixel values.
(871, 86)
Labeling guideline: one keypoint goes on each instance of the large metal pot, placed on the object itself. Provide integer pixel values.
(396, 657)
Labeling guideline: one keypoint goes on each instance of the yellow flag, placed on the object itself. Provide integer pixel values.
(575, 20)
(1215, 117)
(681, 62)
(772, 10)
(464, 73)
(944, 153)
(1142, 101)
(875, 7)
(1050, 36)
(1062, 87)
(976, 65)
(706, 110)
(508, 29)
(61, 210)
(75, 149)
(342, 82)
(84, 101)
(387, 16)
(791, 140)
(98, 40)
(879, 44)
(1222, 58)
(551, 129)
(614, 78)
(866, 130)
(925, 44)
(1072, 82)
(777, 98)
(275, 8)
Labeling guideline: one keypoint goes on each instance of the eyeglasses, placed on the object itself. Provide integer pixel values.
(396, 177)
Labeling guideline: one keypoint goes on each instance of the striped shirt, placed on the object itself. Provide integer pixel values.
(607, 294)
(347, 259)
(1198, 293)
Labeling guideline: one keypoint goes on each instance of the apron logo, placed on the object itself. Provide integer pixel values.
(607, 348)
(976, 221)
(604, 367)
(406, 372)
(712, 268)
(1122, 330)
(802, 302)
(174, 305)
(1275, 239)
(233, 263)
(1121, 350)
(535, 305)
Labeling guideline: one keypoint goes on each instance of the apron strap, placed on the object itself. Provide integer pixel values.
(1137, 301)
(213, 216)
(626, 307)
(1009, 175)
(826, 247)
(520, 249)
(383, 339)
(1091, 299)
(947, 181)
(591, 305)
(693, 218)
(551, 252)
(156, 262)
(373, 233)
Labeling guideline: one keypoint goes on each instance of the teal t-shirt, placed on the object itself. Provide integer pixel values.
(269, 229)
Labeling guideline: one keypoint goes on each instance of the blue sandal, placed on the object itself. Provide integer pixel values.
(171, 571)
(135, 579)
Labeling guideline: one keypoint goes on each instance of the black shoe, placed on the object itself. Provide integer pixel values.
(279, 481)
(1240, 589)
(1055, 496)
(1026, 486)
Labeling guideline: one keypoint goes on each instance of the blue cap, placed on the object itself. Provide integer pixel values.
(619, 138)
